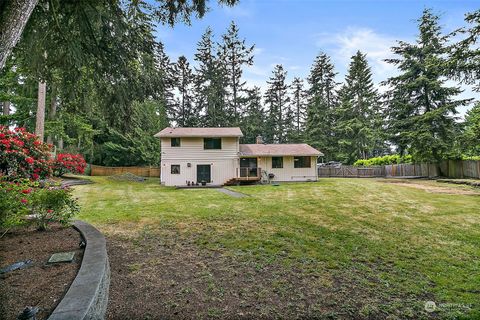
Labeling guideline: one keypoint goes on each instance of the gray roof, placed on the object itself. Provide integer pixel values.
(199, 132)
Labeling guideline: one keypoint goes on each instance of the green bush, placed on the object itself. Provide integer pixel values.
(471, 158)
(385, 160)
(45, 202)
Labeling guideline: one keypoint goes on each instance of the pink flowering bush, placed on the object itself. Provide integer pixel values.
(68, 163)
(43, 202)
(22, 155)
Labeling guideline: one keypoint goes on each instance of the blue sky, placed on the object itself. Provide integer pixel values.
(292, 32)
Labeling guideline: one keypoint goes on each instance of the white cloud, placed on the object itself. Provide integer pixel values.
(343, 45)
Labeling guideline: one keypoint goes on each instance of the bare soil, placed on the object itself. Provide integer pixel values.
(42, 285)
(170, 277)
(429, 186)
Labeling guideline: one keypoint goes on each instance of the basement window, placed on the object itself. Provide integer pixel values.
(277, 162)
(212, 143)
(175, 169)
(302, 162)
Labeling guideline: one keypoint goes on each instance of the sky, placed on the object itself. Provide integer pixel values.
(293, 32)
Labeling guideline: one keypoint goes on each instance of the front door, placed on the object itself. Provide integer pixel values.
(203, 173)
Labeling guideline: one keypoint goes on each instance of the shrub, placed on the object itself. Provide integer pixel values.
(52, 204)
(68, 163)
(22, 155)
(13, 197)
(471, 158)
(385, 160)
(46, 203)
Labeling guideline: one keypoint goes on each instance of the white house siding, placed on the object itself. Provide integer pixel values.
(288, 172)
(224, 162)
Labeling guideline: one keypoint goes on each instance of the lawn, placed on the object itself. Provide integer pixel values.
(337, 248)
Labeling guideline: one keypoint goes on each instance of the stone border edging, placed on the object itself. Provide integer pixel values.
(87, 296)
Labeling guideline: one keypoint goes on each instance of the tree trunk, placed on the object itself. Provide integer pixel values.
(40, 123)
(6, 108)
(14, 15)
(53, 110)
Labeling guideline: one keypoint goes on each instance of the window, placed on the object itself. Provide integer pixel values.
(302, 162)
(212, 143)
(277, 162)
(175, 169)
(175, 142)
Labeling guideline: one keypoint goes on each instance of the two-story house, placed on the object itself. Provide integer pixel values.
(215, 156)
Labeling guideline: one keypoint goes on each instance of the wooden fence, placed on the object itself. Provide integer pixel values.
(451, 169)
(139, 171)
(352, 172)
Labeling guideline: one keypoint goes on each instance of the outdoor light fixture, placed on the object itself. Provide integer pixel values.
(189, 164)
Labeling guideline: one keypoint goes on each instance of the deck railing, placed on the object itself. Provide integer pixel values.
(250, 173)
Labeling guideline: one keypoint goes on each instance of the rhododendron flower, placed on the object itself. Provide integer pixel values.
(49, 211)
(24, 201)
(35, 176)
(26, 191)
(30, 160)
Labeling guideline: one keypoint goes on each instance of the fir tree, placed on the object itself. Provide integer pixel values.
(234, 55)
(185, 113)
(471, 134)
(357, 111)
(166, 76)
(253, 121)
(299, 109)
(209, 83)
(421, 107)
(321, 103)
(277, 100)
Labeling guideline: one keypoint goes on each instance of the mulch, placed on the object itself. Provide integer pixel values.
(41, 284)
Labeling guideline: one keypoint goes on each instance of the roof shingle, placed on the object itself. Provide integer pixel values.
(301, 149)
(199, 132)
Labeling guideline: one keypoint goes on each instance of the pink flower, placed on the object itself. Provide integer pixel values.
(25, 201)
(29, 160)
(26, 191)
(49, 211)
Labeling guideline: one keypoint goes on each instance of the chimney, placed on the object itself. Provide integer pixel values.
(259, 140)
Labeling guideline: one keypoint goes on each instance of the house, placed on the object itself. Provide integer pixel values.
(215, 156)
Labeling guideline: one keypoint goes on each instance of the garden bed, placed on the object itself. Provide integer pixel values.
(41, 284)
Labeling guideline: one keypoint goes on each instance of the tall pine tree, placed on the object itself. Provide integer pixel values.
(421, 107)
(185, 111)
(321, 103)
(277, 100)
(234, 55)
(299, 109)
(253, 120)
(210, 91)
(358, 108)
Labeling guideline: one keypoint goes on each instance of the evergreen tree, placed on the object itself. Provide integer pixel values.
(465, 54)
(234, 55)
(471, 135)
(209, 83)
(321, 104)
(357, 111)
(421, 107)
(253, 121)
(277, 100)
(165, 69)
(185, 112)
(298, 107)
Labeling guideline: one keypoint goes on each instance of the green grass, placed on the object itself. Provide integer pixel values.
(394, 240)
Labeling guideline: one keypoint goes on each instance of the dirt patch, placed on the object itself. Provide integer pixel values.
(170, 277)
(429, 186)
(39, 285)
